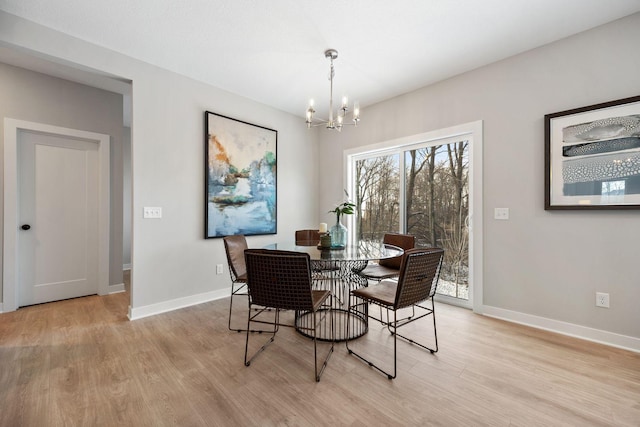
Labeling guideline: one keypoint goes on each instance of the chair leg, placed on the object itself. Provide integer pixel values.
(371, 364)
(276, 322)
(395, 345)
(315, 345)
(413, 314)
(236, 291)
(393, 329)
(405, 321)
(435, 330)
(233, 293)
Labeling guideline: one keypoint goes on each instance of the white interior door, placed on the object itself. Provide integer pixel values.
(58, 200)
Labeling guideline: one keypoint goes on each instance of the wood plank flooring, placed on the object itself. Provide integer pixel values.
(82, 363)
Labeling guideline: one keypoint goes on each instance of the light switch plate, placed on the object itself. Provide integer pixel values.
(152, 212)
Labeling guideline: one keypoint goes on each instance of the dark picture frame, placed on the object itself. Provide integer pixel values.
(240, 177)
(592, 157)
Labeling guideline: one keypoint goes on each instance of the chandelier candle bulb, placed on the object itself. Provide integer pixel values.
(310, 112)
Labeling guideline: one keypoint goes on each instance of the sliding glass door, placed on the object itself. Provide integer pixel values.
(437, 208)
(421, 189)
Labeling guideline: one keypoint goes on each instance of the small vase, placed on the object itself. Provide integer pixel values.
(338, 235)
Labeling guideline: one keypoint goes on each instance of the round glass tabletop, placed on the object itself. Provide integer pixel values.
(364, 251)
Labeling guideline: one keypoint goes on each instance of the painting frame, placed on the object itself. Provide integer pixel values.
(592, 157)
(240, 176)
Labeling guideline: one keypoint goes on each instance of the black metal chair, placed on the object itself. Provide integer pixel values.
(234, 247)
(417, 284)
(307, 237)
(281, 280)
(389, 268)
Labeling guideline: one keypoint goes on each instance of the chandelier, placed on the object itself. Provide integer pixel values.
(337, 122)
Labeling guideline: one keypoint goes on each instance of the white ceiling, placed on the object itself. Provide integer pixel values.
(273, 51)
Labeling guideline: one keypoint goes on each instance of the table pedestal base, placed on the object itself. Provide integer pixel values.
(340, 278)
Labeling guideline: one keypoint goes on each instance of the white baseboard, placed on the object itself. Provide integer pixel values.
(114, 289)
(165, 306)
(590, 334)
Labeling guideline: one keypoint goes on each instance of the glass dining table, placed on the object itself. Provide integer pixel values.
(337, 270)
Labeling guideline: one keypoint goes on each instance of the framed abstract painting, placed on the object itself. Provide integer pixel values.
(240, 177)
(592, 157)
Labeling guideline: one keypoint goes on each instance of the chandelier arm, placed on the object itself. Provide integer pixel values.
(319, 122)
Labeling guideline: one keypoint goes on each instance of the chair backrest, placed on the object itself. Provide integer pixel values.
(279, 279)
(234, 246)
(404, 241)
(419, 276)
(307, 237)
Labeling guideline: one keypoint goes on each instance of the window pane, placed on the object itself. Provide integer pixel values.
(377, 196)
(437, 208)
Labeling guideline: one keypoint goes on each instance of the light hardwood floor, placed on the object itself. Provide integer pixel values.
(82, 363)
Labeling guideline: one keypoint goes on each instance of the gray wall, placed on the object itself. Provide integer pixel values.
(173, 265)
(540, 264)
(35, 97)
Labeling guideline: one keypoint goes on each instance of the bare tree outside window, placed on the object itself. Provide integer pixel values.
(436, 204)
(377, 197)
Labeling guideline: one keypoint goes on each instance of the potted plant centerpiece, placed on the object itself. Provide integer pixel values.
(339, 232)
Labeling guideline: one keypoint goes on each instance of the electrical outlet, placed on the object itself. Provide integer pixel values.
(602, 299)
(501, 213)
(219, 269)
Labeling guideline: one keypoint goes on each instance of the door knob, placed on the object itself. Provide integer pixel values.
(26, 227)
